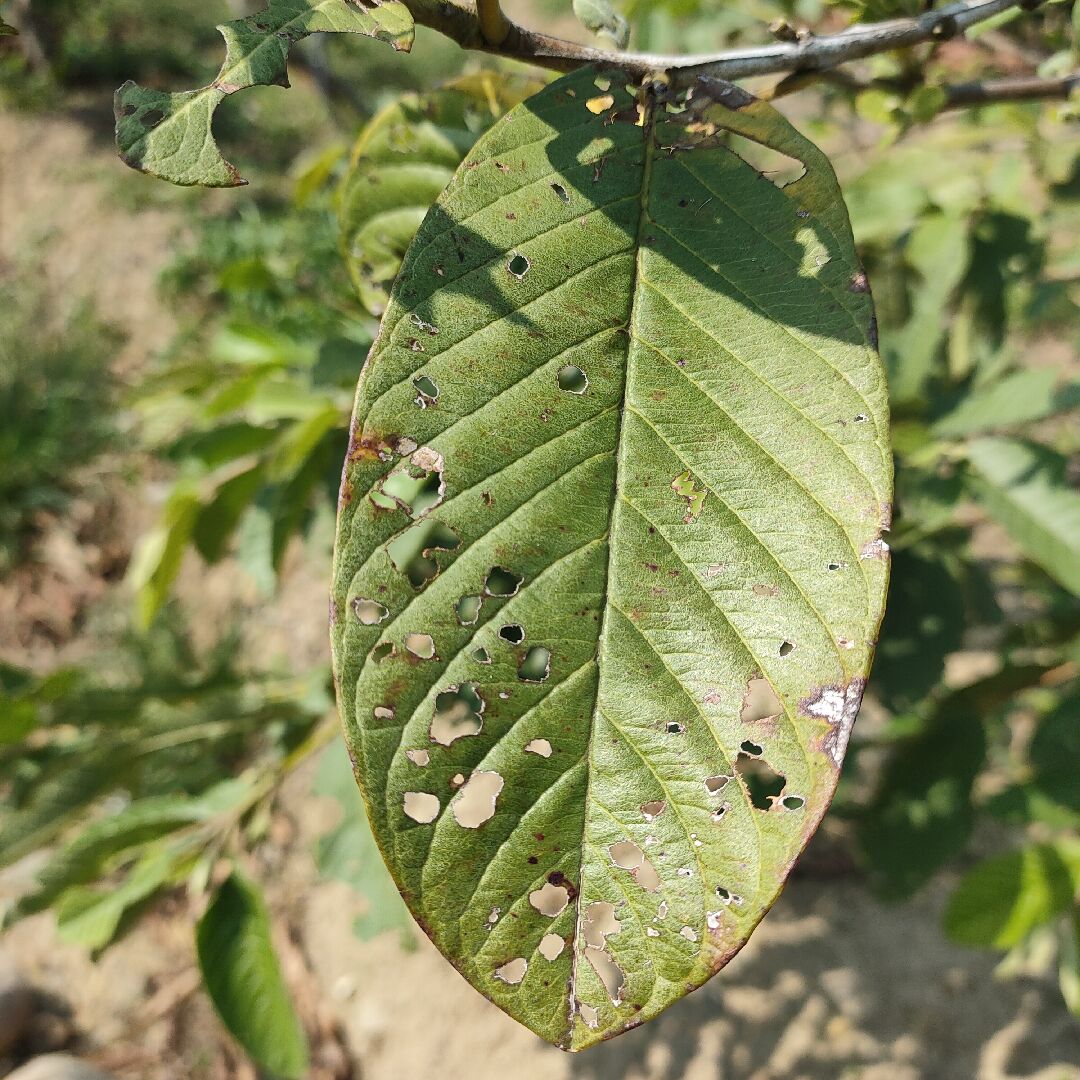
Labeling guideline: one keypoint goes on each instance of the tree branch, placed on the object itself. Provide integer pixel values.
(1023, 88)
(809, 54)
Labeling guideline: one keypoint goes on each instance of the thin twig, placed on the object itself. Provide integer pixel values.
(1022, 88)
(812, 53)
(494, 25)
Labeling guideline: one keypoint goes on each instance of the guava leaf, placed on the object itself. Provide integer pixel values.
(169, 134)
(402, 160)
(609, 567)
(243, 978)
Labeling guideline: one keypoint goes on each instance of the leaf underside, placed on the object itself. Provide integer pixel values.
(169, 135)
(609, 567)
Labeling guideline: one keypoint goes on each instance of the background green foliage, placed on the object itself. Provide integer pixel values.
(150, 766)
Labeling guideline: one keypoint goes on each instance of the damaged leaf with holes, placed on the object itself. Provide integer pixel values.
(627, 387)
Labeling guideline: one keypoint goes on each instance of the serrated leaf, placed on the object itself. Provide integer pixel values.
(644, 680)
(1023, 487)
(169, 135)
(402, 160)
(1003, 899)
(243, 978)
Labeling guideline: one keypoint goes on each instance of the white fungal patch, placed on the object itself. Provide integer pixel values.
(421, 806)
(513, 971)
(712, 920)
(493, 916)
(540, 747)
(383, 712)
(651, 931)
(475, 802)
(418, 757)
(874, 549)
(838, 706)
(551, 946)
(549, 899)
(689, 933)
(662, 910)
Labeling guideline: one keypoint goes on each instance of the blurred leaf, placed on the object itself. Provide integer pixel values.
(600, 17)
(218, 519)
(159, 553)
(1023, 487)
(168, 134)
(85, 858)
(924, 622)
(1054, 753)
(348, 853)
(92, 917)
(1069, 964)
(1019, 398)
(1003, 899)
(402, 160)
(243, 978)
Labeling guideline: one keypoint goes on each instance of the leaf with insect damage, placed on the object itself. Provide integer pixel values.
(609, 566)
(169, 134)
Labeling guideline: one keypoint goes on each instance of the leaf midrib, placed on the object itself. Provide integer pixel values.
(649, 120)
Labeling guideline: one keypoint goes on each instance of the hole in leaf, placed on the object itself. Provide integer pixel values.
(834, 566)
(626, 855)
(611, 975)
(673, 727)
(780, 168)
(418, 757)
(713, 784)
(646, 876)
(718, 814)
(536, 666)
(468, 609)
(369, 612)
(420, 806)
(427, 393)
(786, 648)
(551, 946)
(411, 551)
(458, 713)
(540, 747)
(652, 810)
(518, 266)
(475, 802)
(573, 380)
(684, 486)
(513, 633)
(481, 655)
(502, 582)
(763, 782)
(600, 923)
(590, 1014)
(561, 192)
(793, 802)
(751, 748)
(513, 971)
(383, 650)
(422, 645)
(549, 899)
(418, 486)
(760, 701)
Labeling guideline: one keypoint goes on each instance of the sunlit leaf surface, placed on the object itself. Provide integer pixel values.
(610, 562)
